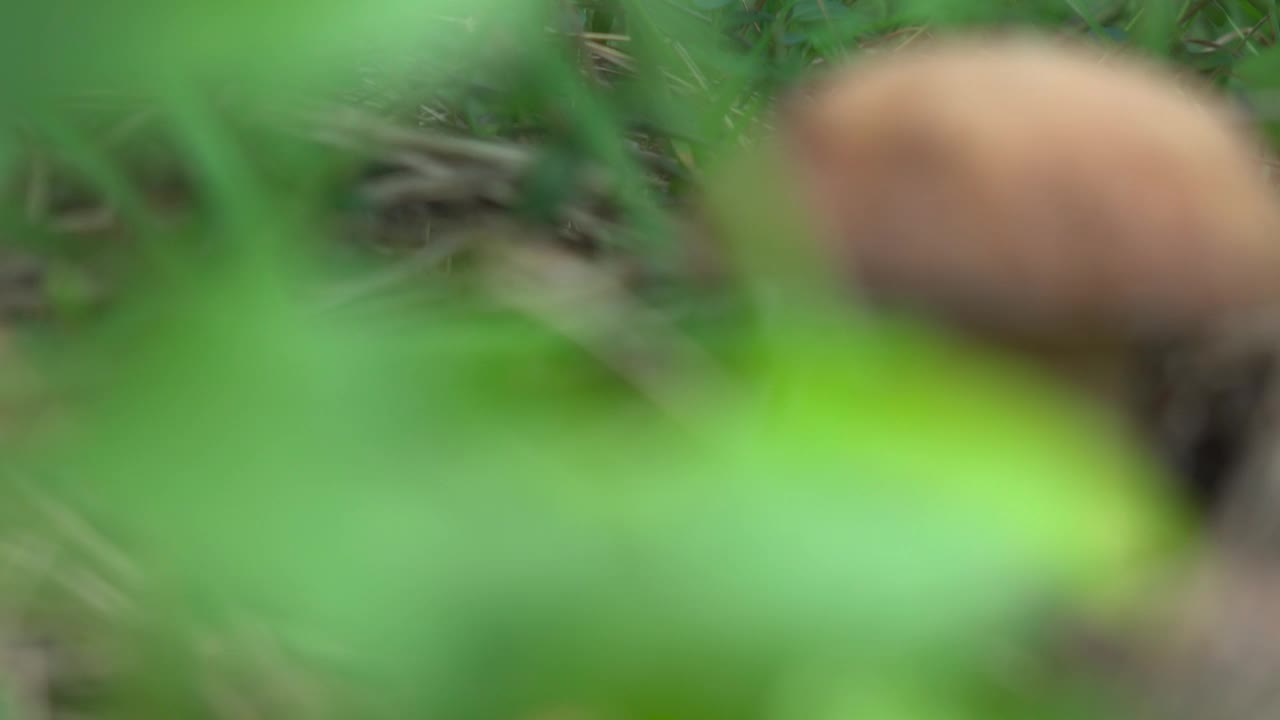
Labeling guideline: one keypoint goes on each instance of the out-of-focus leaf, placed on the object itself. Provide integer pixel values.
(819, 11)
(1261, 71)
(58, 47)
(478, 537)
(1157, 26)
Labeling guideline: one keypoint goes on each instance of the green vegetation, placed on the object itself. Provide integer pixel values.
(306, 412)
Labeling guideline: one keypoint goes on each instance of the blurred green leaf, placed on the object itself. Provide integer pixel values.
(1261, 71)
(819, 11)
(268, 45)
(446, 508)
(1157, 26)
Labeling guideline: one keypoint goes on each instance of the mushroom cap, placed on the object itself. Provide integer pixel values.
(1036, 187)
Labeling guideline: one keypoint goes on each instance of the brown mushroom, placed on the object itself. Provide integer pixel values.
(1093, 211)
(1037, 188)
(1075, 206)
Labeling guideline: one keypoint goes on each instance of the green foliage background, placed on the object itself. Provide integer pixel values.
(445, 505)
